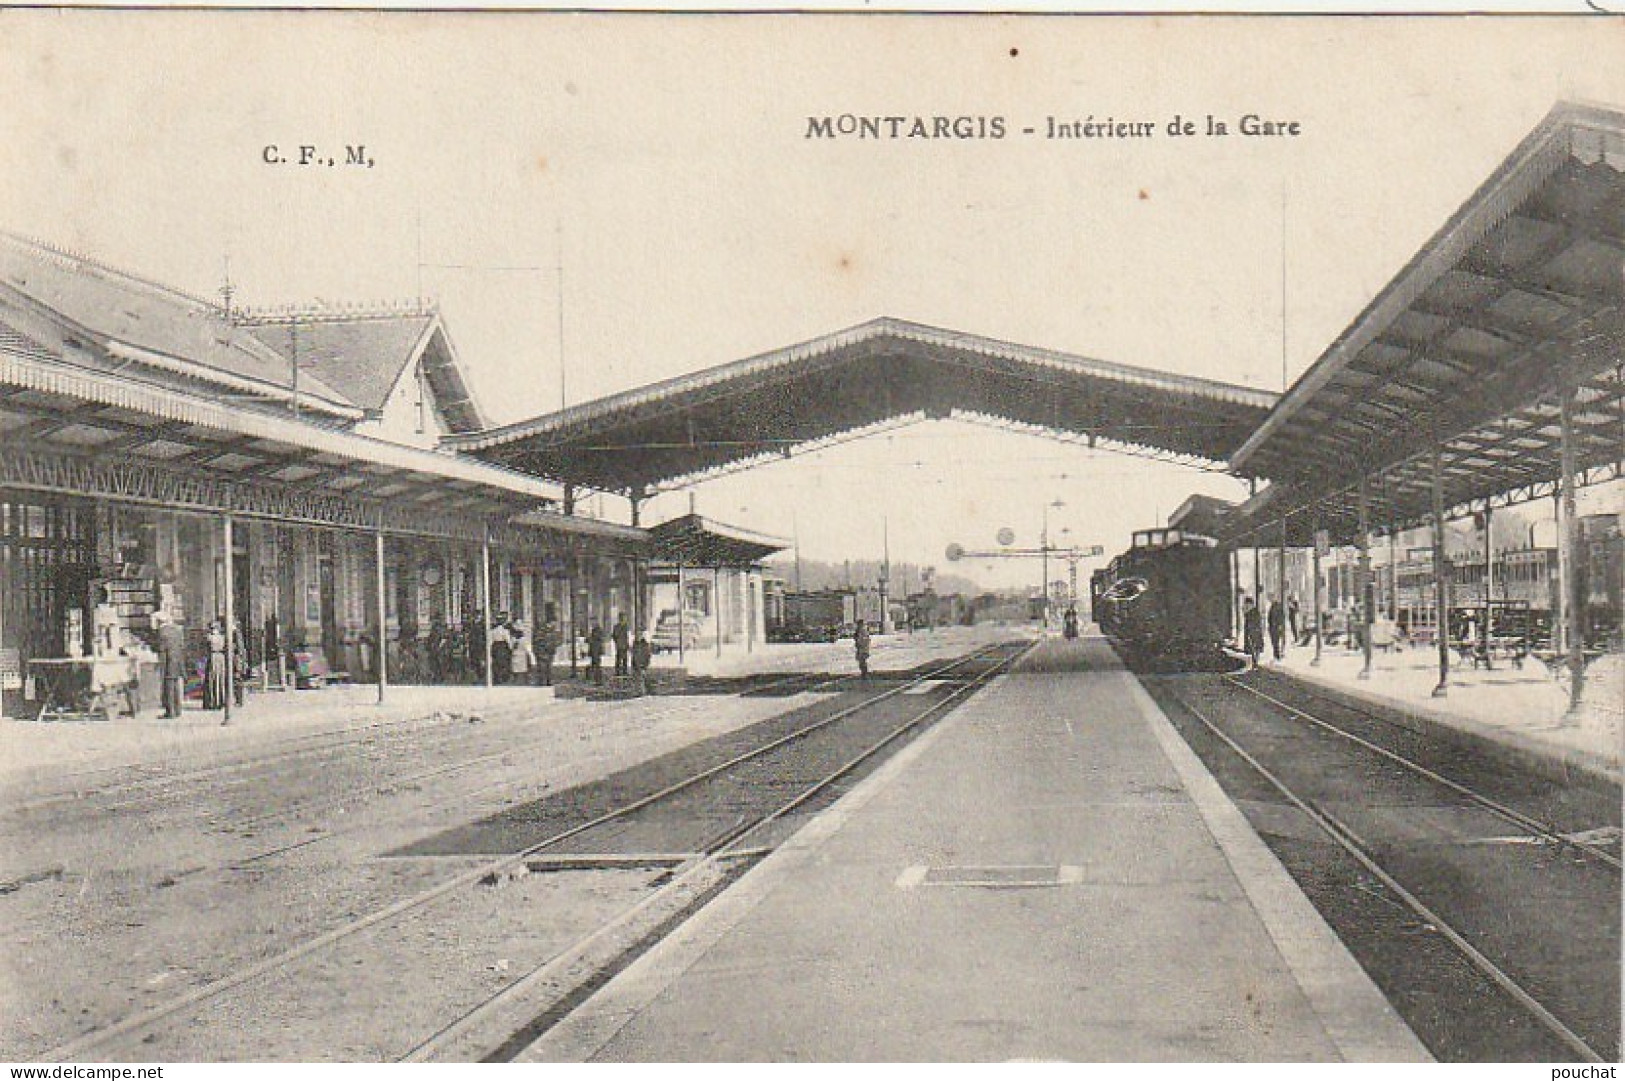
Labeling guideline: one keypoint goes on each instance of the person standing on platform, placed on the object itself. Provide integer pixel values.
(501, 650)
(547, 644)
(621, 635)
(214, 673)
(641, 656)
(1277, 625)
(1252, 631)
(524, 658)
(172, 656)
(595, 654)
(860, 645)
(239, 665)
(1300, 634)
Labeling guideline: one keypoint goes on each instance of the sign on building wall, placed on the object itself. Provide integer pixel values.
(11, 670)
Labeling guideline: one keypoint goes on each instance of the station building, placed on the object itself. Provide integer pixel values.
(708, 588)
(162, 452)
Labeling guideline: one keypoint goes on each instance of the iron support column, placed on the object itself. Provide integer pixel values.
(1485, 636)
(716, 603)
(1235, 590)
(1365, 583)
(383, 619)
(1560, 611)
(1316, 569)
(572, 571)
(1441, 583)
(231, 619)
(1258, 578)
(1280, 589)
(1569, 551)
(485, 602)
(1393, 571)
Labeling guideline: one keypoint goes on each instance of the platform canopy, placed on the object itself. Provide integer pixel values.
(68, 428)
(773, 404)
(1516, 302)
(694, 541)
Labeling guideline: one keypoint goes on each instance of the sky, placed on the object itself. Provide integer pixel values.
(601, 201)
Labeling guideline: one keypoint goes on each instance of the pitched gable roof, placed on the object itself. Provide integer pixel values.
(146, 323)
(368, 353)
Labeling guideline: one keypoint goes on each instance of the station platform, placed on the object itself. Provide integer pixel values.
(40, 750)
(1523, 711)
(1049, 874)
(896, 649)
(36, 755)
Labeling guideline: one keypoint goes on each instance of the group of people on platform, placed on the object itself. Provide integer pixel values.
(1280, 620)
(172, 666)
(632, 655)
(519, 657)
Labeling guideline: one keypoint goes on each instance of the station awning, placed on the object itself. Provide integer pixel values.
(581, 533)
(1516, 301)
(771, 405)
(70, 429)
(694, 541)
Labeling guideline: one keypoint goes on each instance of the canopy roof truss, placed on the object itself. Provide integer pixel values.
(1516, 302)
(67, 429)
(775, 404)
(693, 541)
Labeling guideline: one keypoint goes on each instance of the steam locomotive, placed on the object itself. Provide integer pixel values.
(1165, 603)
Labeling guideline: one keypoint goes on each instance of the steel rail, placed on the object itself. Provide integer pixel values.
(350, 737)
(295, 746)
(1511, 814)
(1351, 843)
(714, 850)
(683, 710)
(78, 1047)
(676, 709)
(953, 697)
(280, 749)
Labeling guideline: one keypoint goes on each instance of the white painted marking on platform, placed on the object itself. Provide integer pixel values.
(986, 876)
(911, 876)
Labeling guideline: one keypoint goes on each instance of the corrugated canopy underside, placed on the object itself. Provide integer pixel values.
(1469, 351)
(699, 542)
(770, 405)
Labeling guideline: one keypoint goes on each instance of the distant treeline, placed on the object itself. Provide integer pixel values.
(859, 573)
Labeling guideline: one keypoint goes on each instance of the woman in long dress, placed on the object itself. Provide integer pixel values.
(214, 676)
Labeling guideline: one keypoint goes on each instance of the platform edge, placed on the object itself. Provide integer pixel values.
(1356, 1016)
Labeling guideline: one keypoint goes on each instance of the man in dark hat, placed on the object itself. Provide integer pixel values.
(172, 655)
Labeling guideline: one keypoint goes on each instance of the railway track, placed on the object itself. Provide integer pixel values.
(165, 784)
(795, 683)
(716, 854)
(177, 790)
(704, 870)
(1595, 852)
(1445, 873)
